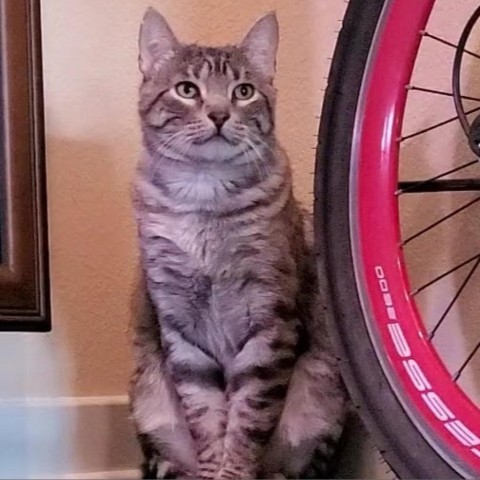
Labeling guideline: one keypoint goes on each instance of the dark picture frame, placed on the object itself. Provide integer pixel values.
(24, 289)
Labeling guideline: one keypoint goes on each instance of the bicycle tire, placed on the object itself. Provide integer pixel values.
(398, 438)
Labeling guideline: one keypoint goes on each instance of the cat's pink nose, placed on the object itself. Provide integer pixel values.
(218, 118)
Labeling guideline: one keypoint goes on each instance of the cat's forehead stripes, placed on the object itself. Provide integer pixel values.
(206, 62)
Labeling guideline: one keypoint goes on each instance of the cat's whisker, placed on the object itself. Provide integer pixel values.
(186, 148)
(265, 171)
(167, 143)
(265, 145)
(262, 142)
(256, 158)
(252, 160)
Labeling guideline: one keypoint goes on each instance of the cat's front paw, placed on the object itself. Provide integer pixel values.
(235, 474)
(157, 469)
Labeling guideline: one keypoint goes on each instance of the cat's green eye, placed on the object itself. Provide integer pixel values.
(244, 91)
(187, 90)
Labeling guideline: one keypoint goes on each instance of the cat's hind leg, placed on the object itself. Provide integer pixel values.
(150, 461)
(162, 431)
(164, 436)
(311, 422)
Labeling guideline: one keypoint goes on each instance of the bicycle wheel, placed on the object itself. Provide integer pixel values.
(425, 425)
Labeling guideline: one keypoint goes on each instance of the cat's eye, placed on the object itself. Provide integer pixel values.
(187, 90)
(244, 91)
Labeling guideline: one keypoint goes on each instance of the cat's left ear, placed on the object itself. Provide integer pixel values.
(156, 43)
(261, 45)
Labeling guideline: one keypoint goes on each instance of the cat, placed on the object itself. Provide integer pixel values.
(235, 377)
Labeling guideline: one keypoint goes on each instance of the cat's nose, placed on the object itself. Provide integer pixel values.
(218, 118)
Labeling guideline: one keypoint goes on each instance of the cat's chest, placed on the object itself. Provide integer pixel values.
(203, 243)
(205, 254)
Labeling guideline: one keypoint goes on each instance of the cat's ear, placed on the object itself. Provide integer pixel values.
(261, 44)
(156, 42)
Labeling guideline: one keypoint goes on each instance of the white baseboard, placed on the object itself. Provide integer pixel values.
(113, 475)
(68, 437)
(65, 401)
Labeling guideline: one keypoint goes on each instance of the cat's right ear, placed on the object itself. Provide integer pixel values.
(156, 43)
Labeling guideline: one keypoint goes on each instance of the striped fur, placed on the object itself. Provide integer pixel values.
(235, 377)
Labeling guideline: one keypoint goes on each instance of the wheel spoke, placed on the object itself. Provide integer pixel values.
(465, 363)
(441, 220)
(457, 185)
(446, 42)
(436, 177)
(440, 92)
(437, 125)
(443, 275)
(454, 299)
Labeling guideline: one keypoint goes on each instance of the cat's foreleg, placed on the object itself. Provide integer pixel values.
(199, 382)
(256, 393)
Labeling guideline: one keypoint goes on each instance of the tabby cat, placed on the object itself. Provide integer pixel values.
(234, 375)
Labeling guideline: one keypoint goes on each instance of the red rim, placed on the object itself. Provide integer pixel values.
(446, 416)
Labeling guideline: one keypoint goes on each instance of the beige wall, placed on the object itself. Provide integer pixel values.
(90, 73)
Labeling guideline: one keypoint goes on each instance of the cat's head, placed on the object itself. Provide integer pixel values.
(207, 103)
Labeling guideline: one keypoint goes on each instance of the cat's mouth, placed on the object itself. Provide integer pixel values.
(217, 138)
